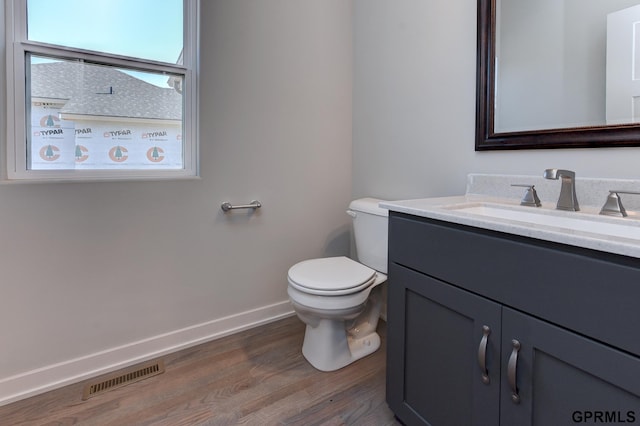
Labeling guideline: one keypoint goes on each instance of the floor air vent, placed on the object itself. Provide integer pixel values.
(123, 377)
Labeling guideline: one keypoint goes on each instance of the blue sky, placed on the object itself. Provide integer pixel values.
(150, 29)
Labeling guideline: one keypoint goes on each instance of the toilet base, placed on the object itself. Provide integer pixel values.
(328, 347)
(335, 341)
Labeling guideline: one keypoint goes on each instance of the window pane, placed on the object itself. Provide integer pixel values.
(148, 29)
(87, 116)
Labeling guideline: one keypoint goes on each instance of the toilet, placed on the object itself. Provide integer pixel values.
(338, 298)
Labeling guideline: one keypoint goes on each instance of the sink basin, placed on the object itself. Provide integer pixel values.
(585, 228)
(566, 221)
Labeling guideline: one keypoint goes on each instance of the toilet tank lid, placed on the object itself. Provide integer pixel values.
(368, 205)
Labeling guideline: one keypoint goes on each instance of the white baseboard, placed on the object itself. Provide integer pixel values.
(54, 376)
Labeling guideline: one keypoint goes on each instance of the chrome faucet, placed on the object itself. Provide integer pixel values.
(567, 199)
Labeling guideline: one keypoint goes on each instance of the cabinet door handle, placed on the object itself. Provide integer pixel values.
(482, 354)
(511, 371)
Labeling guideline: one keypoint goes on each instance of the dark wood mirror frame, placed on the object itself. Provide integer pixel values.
(487, 139)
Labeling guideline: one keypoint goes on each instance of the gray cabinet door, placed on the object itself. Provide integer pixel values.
(434, 351)
(563, 378)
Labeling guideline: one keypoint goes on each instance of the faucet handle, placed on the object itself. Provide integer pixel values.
(613, 206)
(530, 197)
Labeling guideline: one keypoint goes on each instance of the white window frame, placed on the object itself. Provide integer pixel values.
(18, 46)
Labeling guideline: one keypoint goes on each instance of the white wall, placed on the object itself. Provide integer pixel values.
(97, 275)
(414, 106)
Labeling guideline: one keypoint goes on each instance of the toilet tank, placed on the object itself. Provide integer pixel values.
(370, 227)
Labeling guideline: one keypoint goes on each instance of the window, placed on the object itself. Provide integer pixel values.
(104, 89)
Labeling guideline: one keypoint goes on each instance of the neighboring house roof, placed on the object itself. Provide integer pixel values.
(101, 91)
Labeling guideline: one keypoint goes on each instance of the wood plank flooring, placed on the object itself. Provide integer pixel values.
(256, 377)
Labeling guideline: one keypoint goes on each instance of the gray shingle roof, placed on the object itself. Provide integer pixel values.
(95, 90)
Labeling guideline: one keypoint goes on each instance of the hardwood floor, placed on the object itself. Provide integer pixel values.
(256, 377)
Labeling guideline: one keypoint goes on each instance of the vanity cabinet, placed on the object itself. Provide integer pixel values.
(486, 328)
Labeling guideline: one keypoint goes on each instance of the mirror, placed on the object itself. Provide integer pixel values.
(558, 74)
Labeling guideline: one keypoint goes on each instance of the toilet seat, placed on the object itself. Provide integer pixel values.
(330, 276)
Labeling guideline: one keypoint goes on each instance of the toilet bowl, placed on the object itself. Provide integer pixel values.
(338, 298)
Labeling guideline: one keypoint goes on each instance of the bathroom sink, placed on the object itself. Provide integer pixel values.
(562, 221)
(489, 203)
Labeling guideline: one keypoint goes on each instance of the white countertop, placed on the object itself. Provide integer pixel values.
(444, 208)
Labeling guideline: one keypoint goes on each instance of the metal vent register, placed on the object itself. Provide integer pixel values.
(123, 377)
